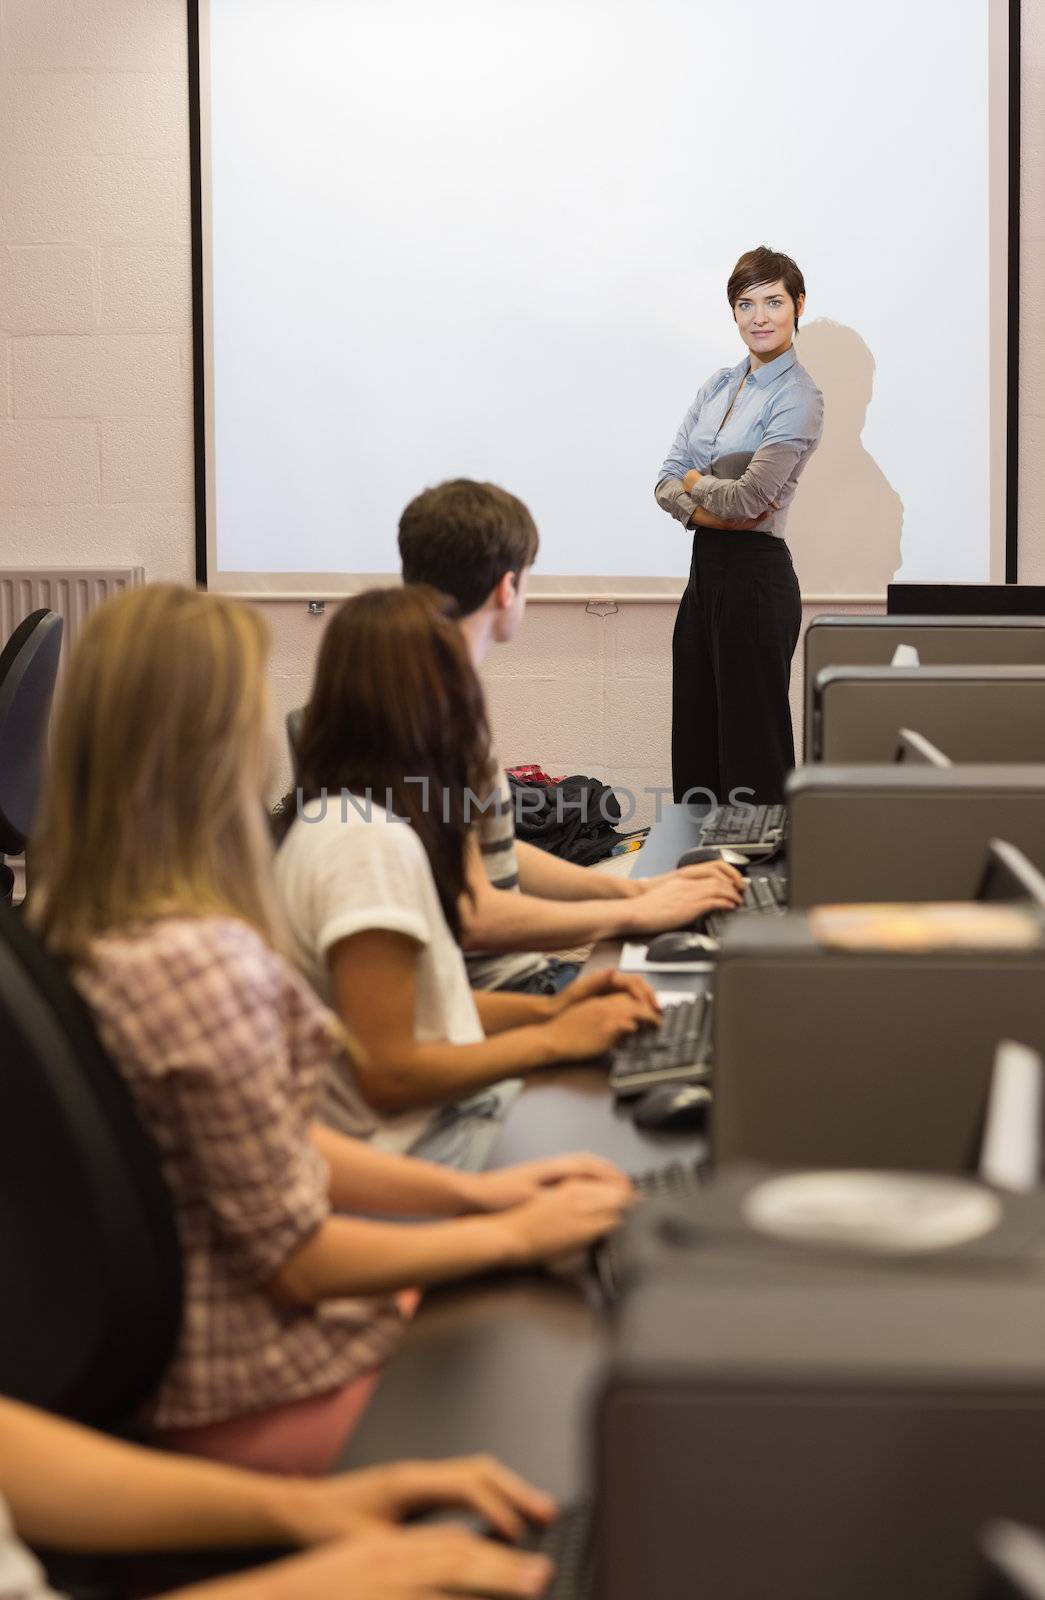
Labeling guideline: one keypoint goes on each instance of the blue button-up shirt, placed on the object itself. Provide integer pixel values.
(749, 443)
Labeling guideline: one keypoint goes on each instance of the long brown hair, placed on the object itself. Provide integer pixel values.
(397, 715)
(161, 746)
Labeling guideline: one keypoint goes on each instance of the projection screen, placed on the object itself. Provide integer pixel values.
(490, 238)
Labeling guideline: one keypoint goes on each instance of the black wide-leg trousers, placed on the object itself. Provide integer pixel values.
(735, 635)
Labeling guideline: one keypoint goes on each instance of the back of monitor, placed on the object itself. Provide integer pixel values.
(906, 832)
(838, 641)
(973, 714)
(848, 1058)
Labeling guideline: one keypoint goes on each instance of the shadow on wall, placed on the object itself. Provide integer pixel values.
(846, 524)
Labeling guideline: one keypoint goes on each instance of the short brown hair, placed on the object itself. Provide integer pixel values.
(397, 715)
(462, 537)
(765, 266)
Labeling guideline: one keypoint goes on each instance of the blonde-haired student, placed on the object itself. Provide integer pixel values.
(156, 889)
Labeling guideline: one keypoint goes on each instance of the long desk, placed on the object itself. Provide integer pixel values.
(508, 1364)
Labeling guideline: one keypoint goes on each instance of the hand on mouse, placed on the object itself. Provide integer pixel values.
(682, 897)
(712, 873)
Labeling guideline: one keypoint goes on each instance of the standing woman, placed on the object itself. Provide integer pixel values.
(731, 474)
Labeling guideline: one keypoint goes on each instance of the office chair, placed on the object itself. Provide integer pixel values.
(294, 724)
(89, 1255)
(28, 669)
(1014, 1563)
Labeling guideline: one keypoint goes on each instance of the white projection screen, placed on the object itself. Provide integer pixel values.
(490, 238)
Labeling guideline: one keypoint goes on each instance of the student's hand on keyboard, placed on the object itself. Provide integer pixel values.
(513, 1186)
(680, 898)
(406, 1564)
(592, 1027)
(714, 874)
(328, 1508)
(608, 981)
(562, 1219)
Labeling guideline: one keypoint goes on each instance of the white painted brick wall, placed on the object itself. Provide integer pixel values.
(95, 303)
(95, 378)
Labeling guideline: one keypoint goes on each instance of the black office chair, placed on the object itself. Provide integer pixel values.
(1014, 1563)
(89, 1256)
(28, 669)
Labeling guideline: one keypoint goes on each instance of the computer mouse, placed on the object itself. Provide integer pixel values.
(691, 946)
(712, 852)
(673, 1106)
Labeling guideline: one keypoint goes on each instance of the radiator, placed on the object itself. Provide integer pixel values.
(71, 591)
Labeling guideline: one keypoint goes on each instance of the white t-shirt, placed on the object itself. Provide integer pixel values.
(21, 1576)
(346, 867)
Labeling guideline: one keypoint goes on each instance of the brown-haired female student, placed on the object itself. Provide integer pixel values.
(157, 889)
(730, 476)
(396, 729)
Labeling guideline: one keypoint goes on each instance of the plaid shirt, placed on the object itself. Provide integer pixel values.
(224, 1048)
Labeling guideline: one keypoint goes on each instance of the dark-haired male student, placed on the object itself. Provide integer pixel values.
(477, 543)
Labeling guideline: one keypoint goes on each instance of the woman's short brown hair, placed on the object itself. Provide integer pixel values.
(765, 266)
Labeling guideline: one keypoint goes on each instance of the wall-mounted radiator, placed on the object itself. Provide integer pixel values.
(71, 591)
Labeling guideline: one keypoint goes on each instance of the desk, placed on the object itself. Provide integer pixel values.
(507, 1364)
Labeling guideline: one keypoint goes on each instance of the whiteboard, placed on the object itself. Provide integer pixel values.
(489, 238)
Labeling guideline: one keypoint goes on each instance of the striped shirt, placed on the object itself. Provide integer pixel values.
(224, 1048)
(495, 823)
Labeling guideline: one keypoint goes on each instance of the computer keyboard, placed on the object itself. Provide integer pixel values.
(676, 1052)
(758, 829)
(678, 1177)
(664, 1183)
(567, 1542)
(763, 891)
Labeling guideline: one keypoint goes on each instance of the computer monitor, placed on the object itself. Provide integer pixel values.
(1009, 876)
(975, 713)
(850, 641)
(960, 599)
(905, 831)
(914, 750)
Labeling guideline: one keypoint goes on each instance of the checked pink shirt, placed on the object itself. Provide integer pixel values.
(224, 1047)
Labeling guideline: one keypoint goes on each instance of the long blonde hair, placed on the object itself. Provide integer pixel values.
(160, 753)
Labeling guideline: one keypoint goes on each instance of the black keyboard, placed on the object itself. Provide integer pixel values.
(568, 1543)
(663, 1183)
(678, 1177)
(676, 1052)
(758, 829)
(763, 891)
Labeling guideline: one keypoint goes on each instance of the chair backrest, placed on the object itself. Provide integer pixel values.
(90, 1264)
(28, 669)
(295, 723)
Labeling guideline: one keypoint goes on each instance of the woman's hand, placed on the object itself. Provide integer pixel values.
(608, 981)
(514, 1186)
(563, 1219)
(591, 1027)
(354, 1501)
(691, 480)
(402, 1564)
